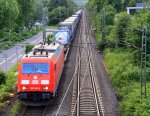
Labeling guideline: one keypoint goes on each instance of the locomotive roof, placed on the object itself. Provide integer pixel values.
(43, 50)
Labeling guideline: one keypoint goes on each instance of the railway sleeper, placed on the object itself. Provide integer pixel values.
(87, 96)
(91, 107)
(87, 100)
(87, 110)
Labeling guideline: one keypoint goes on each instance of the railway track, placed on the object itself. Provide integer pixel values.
(86, 96)
(34, 111)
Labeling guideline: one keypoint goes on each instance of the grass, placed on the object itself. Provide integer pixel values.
(16, 107)
(52, 26)
(125, 77)
(2, 106)
(9, 86)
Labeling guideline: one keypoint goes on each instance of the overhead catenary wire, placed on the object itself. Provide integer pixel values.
(126, 29)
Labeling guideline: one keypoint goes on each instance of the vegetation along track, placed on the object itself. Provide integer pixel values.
(86, 96)
(34, 111)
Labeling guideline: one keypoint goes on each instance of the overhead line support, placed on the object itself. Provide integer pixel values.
(143, 78)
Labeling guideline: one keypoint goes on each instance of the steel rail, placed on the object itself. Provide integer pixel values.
(98, 98)
(34, 111)
(86, 94)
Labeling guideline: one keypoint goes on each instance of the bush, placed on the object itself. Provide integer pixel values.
(125, 77)
(9, 84)
(3, 77)
(28, 48)
(2, 106)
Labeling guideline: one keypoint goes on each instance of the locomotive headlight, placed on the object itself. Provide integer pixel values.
(45, 88)
(24, 88)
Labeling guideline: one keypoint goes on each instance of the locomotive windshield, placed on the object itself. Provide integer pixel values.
(35, 68)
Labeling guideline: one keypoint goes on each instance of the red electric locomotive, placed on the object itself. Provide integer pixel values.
(40, 71)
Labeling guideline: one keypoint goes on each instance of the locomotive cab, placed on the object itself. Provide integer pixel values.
(39, 73)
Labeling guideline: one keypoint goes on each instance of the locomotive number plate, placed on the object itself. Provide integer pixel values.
(35, 82)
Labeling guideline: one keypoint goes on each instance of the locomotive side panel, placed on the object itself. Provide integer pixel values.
(59, 66)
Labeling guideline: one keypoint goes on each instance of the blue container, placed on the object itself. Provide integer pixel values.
(62, 37)
(68, 25)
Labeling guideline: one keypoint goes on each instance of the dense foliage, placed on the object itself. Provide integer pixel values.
(15, 13)
(60, 10)
(3, 77)
(9, 85)
(126, 78)
(28, 48)
(16, 21)
(123, 58)
(18, 18)
(9, 11)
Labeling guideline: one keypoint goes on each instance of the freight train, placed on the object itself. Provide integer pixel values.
(66, 29)
(40, 70)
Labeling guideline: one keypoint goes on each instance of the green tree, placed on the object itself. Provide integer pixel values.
(60, 9)
(110, 14)
(57, 14)
(118, 5)
(27, 9)
(55, 3)
(8, 13)
(38, 15)
(45, 2)
(71, 7)
(122, 22)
